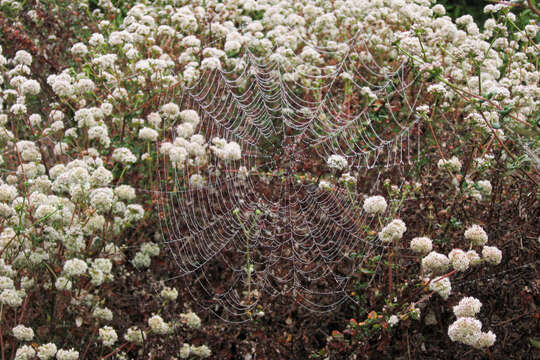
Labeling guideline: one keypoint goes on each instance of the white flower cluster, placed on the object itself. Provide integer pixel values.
(337, 162)
(75, 267)
(492, 255)
(190, 117)
(453, 164)
(393, 231)
(143, 257)
(421, 245)
(481, 189)
(158, 325)
(148, 134)
(102, 314)
(467, 307)
(124, 156)
(191, 319)
(135, 335)
(442, 286)
(468, 330)
(25, 352)
(477, 235)
(67, 354)
(169, 294)
(226, 150)
(435, 263)
(47, 351)
(190, 152)
(107, 335)
(375, 205)
(202, 351)
(23, 333)
(459, 259)
(348, 179)
(325, 185)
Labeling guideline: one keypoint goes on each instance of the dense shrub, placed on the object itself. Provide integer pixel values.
(90, 112)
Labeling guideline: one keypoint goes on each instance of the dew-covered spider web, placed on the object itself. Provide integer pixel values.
(264, 225)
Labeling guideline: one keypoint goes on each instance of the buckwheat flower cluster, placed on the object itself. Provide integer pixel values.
(467, 307)
(375, 205)
(102, 199)
(133, 213)
(393, 231)
(47, 351)
(453, 164)
(30, 87)
(67, 354)
(337, 162)
(107, 335)
(79, 49)
(7, 192)
(226, 150)
(25, 352)
(125, 192)
(492, 255)
(191, 319)
(75, 267)
(6, 283)
(347, 179)
(325, 185)
(135, 335)
(190, 117)
(484, 186)
(197, 181)
(466, 330)
(102, 314)
(459, 259)
(28, 150)
(143, 257)
(202, 351)
(421, 245)
(474, 258)
(435, 263)
(477, 235)
(100, 133)
(158, 326)
(170, 294)
(23, 333)
(148, 134)
(442, 286)
(185, 350)
(170, 110)
(485, 340)
(63, 283)
(124, 156)
(23, 57)
(185, 130)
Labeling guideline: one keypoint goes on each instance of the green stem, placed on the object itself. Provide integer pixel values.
(247, 233)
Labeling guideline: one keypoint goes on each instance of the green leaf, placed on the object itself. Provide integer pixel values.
(535, 343)
(366, 271)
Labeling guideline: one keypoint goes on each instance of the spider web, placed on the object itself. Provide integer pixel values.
(274, 231)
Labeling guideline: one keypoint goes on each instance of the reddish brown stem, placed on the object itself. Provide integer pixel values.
(2, 341)
(390, 253)
(115, 351)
